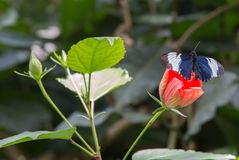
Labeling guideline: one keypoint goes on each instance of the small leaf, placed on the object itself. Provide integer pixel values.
(102, 82)
(94, 54)
(60, 60)
(37, 135)
(174, 154)
(178, 112)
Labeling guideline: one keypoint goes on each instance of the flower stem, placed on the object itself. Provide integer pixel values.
(47, 97)
(151, 121)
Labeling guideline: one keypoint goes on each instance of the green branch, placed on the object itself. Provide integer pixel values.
(47, 97)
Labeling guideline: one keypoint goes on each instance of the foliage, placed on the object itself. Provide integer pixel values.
(94, 54)
(155, 23)
(37, 135)
(101, 82)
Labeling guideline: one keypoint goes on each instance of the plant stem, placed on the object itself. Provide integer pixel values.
(47, 97)
(88, 90)
(84, 82)
(81, 148)
(151, 121)
(90, 106)
(77, 91)
(93, 128)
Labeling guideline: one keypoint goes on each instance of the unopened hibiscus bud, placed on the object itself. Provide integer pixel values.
(35, 67)
(175, 91)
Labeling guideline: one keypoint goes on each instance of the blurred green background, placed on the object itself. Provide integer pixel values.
(149, 28)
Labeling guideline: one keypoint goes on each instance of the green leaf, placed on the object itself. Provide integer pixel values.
(37, 135)
(94, 54)
(174, 154)
(102, 82)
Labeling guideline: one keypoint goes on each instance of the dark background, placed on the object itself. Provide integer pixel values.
(149, 28)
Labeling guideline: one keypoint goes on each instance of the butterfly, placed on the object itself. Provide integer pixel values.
(205, 68)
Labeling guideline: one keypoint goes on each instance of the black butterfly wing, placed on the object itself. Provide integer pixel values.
(179, 62)
(207, 68)
(202, 69)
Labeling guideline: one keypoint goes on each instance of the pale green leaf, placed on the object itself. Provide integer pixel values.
(174, 154)
(94, 54)
(102, 82)
(37, 135)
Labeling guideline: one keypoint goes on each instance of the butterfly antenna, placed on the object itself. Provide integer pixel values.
(196, 46)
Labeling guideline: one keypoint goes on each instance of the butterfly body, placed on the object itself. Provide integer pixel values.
(205, 68)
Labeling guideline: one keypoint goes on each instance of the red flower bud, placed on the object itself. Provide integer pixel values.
(175, 91)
